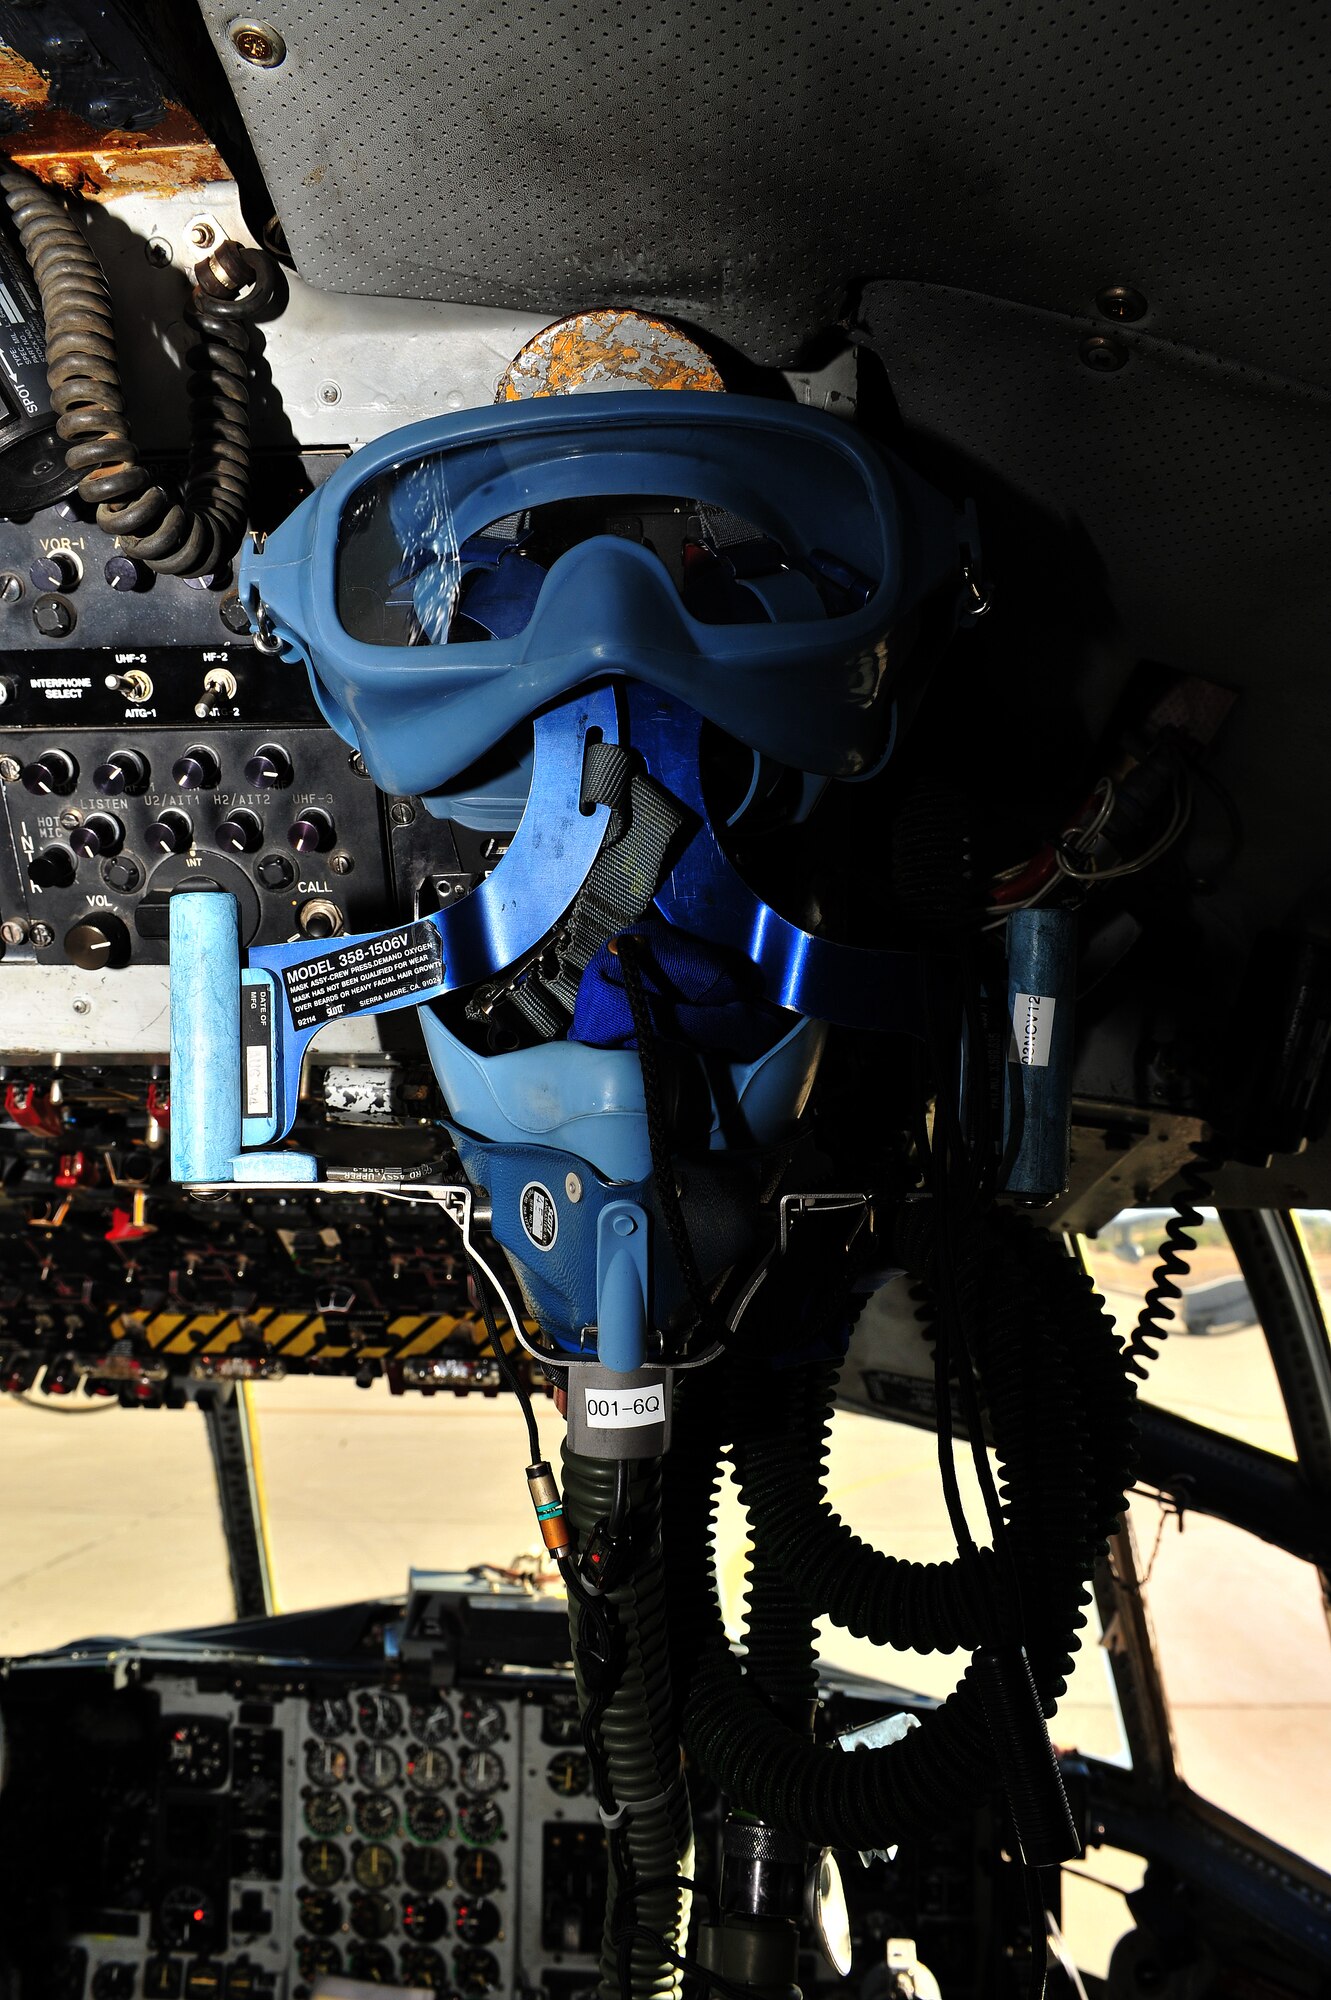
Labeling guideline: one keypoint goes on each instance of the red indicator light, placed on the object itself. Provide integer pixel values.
(199, 1916)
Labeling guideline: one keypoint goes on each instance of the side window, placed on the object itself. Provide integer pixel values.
(1215, 1367)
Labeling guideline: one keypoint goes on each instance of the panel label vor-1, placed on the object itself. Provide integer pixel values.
(369, 972)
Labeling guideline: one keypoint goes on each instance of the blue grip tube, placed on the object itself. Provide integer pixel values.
(1037, 1123)
(205, 1034)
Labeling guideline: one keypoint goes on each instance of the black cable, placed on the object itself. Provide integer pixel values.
(619, 1507)
(502, 1360)
(1035, 1912)
(715, 1980)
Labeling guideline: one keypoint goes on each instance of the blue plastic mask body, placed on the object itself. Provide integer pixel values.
(809, 689)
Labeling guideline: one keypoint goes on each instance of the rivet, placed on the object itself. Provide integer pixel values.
(573, 1187)
(257, 42)
(1103, 353)
(1121, 302)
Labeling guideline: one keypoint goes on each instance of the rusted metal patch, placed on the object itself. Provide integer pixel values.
(175, 156)
(614, 348)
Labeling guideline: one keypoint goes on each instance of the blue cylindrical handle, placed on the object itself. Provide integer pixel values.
(1042, 955)
(205, 1034)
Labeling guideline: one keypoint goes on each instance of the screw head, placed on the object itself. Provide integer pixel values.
(402, 813)
(82, 1006)
(202, 235)
(157, 250)
(10, 770)
(1121, 302)
(341, 863)
(43, 936)
(70, 818)
(14, 931)
(329, 393)
(11, 588)
(1104, 354)
(257, 42)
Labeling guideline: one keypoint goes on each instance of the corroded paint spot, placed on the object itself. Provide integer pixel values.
(611, 349)
(56, 146)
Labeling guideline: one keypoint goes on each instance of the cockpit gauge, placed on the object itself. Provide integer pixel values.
(483, 1720)
(423, 1967)
(318, 1912)
(424, 1868)
(424, 1917)
(376, 1816)
(479, 1821)
(196, 1751)
(476, 1922)
(427, 1817)
(378, 1766)
(325, 1813)
(371, 1915)
(186, 1918)
(322, 1862)
(429, 1769)
(326, 1763)
(560, 1720)
(477, 1870)
(378, 1715)
(432, 1722)
(314, 1955)
(569, 1774)
(372, 1963)
(480, 1771)
(374, 1867)
(330, 1716)
(476, 1971)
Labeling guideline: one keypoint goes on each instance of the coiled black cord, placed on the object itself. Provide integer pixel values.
(1155, 1319)
(195, 535)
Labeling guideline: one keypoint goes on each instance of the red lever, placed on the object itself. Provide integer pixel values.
(32, 1110)
(159, 1105)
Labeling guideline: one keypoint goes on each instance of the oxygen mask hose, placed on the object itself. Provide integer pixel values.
(193, 535)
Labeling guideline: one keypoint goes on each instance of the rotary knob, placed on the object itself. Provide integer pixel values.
(100, 833)
(269, 769)
(197, 770)
(123, 573)
(61, 570)
(53, 772)
(171, 834)
(123, 771)
(97, 942)
(53, 868)
(312, 833)
(241, 832)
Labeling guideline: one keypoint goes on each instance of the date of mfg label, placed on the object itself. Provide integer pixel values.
(626, 1409)
(1033, 1029)
(367, 974)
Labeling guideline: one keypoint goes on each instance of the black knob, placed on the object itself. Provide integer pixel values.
(53, 868)
(171, 834)
(312, 833)
(124, 874)
(100, 833)
(53, 771)
(59, 571)
(123, 573)
(97, 942)
(53, 618)
(269, 769)
(123, 771)
(241, 832)
(197, 770)
(275, 872)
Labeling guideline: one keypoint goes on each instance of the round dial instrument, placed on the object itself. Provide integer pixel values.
(325, 1813)
(326, 1763)
(480, 1771)
(374, 1867)
(476, 1922)
(427, 1817)
(479, 1821)
(428, 1769)
(196, 1752)
(330, 1716)
(424, 1917)
(378, 1766)
(477, 1870)
(371, 1963)
(315, 1955)
(476, 1971)
(376, 1816)
(483, 1720)
(432, 1723)
(319, 1913)
(423, 1967)
(371, 1915)
(379, 1715)
(424, 1868)
(186, 1918)
(322, 1862)
(569, 1774)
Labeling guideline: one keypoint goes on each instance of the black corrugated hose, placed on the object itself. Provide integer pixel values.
(195, 535)
(638, 1736)
(1060, 1410)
